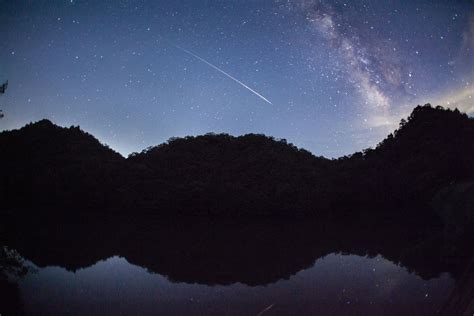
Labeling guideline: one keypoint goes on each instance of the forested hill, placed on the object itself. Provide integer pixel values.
(432, 148)
(47, 165)
(47, 142)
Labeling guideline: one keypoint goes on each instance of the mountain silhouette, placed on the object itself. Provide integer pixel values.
(44, 164)
(52, 167)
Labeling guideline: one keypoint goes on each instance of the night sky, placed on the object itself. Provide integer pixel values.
(332, 77)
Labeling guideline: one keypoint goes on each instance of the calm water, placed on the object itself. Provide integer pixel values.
(118, 267)
(336, 284)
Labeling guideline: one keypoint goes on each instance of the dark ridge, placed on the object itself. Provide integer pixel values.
(250, 175)
(48, 141)
(430, 150)
(44, 164)
(225, 174)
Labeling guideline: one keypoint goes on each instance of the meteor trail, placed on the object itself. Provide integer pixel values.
(225, 73)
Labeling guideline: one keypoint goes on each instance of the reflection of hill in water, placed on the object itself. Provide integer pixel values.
(225, 252)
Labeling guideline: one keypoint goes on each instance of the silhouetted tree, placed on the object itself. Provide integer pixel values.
(3, 87)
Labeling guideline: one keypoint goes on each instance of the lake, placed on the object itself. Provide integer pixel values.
(122, 266)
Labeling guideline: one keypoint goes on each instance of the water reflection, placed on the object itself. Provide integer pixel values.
(336, 284)
(115, 264)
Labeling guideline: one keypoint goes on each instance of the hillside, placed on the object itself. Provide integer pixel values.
(47, 165)
(433, 148)
(226, 174)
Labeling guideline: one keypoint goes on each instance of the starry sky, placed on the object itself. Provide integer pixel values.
(333, 77)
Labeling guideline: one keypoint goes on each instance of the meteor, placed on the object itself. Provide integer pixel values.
(225, 73)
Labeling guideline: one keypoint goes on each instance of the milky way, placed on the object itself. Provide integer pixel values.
(339, 74)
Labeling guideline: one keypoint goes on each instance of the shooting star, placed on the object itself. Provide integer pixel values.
(225, 73)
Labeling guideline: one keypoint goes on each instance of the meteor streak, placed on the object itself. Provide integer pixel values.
(225, 73)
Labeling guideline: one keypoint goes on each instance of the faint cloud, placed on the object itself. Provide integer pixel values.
(462, 99)
(390, 122)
